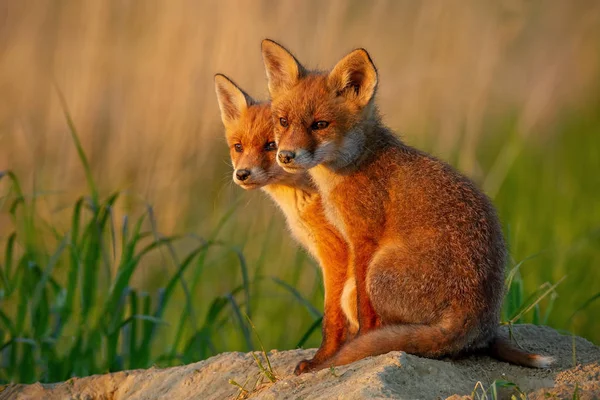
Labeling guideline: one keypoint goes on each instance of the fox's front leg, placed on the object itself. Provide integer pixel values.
(334, 321)
(367, 317)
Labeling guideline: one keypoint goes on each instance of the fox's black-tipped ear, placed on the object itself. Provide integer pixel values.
(283, 70)
(233, 101)
(355, 77)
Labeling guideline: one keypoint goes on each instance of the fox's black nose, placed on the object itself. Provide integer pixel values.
(286, 156)
(242, 174)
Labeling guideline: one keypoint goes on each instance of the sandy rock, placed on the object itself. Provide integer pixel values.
(394, 375)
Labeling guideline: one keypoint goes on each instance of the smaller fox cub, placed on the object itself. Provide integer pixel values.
(425, 244)
(250, 137)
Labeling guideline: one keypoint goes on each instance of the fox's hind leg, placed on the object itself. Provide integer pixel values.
(409, 288)
(404, 287)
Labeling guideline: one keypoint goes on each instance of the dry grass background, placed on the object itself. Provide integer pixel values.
(137, 76)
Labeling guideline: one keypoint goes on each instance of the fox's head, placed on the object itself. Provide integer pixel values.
(250, 137)
(319, 117)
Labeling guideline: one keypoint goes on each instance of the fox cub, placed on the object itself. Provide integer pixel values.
(250, 136)
(425, 245)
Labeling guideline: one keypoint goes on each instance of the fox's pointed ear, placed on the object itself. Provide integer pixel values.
(354, 77)
(233, 101)
(283, 70)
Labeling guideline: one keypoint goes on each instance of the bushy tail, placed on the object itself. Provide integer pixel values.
(422, 340)
(429, 341)
(502, 349)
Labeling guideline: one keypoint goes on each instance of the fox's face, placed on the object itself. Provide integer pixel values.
(250, 137)
(319, 118)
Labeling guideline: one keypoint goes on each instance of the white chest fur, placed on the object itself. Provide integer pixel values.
(292, 202)
(326, 181)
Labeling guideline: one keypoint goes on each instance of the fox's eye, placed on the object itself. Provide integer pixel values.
(238, 147)
(319, 125)
(270, 146)
(283, 122)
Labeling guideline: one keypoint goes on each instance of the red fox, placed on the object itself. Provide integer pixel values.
(250, 135)
(425, 244)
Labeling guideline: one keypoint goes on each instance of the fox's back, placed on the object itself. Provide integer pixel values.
(428, 196)
(403, 192)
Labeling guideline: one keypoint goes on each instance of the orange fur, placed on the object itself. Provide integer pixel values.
(425, 244)
(248, 124)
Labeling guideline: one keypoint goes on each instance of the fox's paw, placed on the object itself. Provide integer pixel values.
(305, 366)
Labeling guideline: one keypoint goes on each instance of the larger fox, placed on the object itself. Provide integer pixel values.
(425, 244)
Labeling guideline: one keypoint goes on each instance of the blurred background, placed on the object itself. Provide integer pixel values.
(506, 91)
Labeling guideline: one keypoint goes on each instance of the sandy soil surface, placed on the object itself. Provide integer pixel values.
(395, 375)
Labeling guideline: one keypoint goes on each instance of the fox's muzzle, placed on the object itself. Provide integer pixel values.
(286, 156)
(251, 178)
(242, 174)
(296, 160)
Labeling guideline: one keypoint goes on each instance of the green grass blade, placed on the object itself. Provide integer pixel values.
(528, 307)
(127, 266)
(74, 263)
(585, 305)
(148, 329)
(173, 254)
(238, 315)
(315, 325)
(311, 309)
(536, 318)
(105, 221)
(549, 308)
(112, 330)
(113, 237)
(16, 186)
(6, 321)
(201, 262)
(211, 323)
(46, 275)
(245, 276)
(25, 284)
(75, 137)
(39, 302)
(89, 269)
(133, 310)
(178, 277)
(225, 218)
(124, 232)
(141, 317)
(14, 207)
(8, 260)
(513, 271)
(269, 373)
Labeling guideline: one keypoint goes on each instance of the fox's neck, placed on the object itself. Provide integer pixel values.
(359, 147)
(292, 199)
(284, 191)
(276, 188)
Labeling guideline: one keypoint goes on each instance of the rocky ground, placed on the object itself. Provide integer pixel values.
(395, 375)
